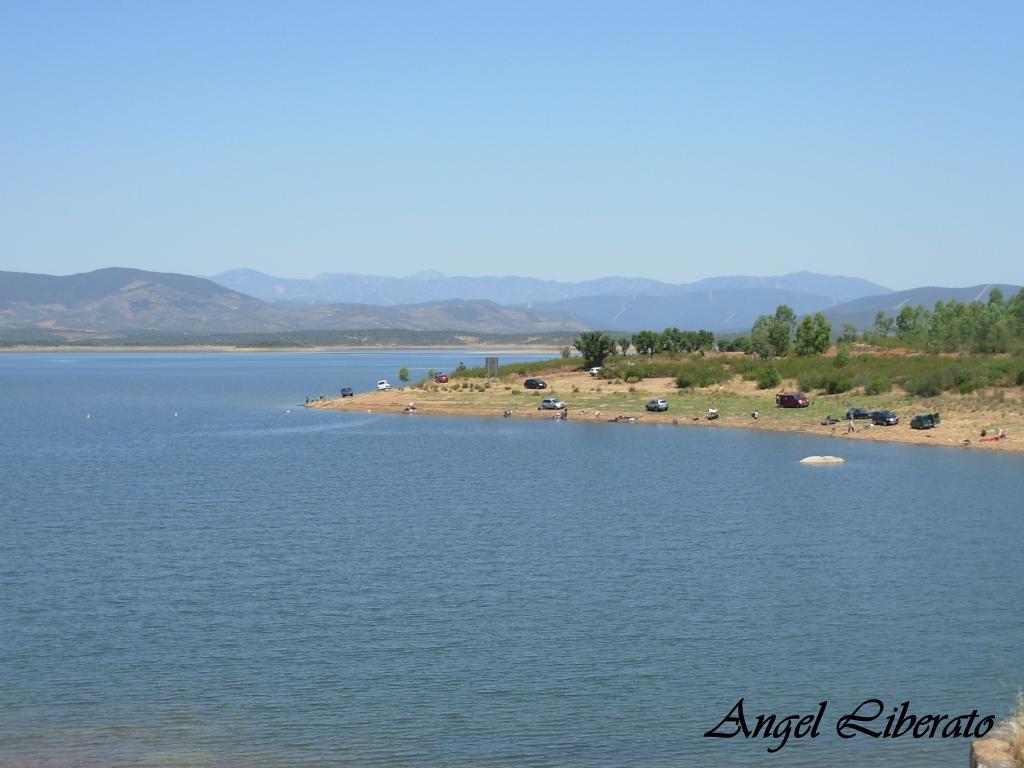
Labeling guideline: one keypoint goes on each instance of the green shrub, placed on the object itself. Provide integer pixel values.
(812, 380)
(837, 384)
(831, 382)
(842, 358)
(926, 386)
(685, 380)
(998, 369)
(768, 377)
(878, 385)
(1020, 378)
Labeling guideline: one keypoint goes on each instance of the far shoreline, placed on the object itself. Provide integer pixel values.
(511, 349)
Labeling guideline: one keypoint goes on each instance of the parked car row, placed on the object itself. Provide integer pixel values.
(382, 386)
(886, 418)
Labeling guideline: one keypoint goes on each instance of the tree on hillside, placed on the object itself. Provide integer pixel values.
(670, 340)
(849, 334)
(1015, 307)
(782, 331)
(772, 335)
(624, 343)
(760, 342)
(595, 347)
(738, 344)
(703, 340)
(911, 323)
(646, 342)
(883, 324)
(813, 335)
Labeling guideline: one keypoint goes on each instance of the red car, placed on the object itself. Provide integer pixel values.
(791, 400)
(441, 378)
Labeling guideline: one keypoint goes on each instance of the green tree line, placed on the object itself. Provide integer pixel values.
(596, 346)
(954, 326)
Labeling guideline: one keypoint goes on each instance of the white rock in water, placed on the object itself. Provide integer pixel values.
(822, 460)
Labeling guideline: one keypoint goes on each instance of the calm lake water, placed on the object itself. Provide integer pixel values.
(242, 586)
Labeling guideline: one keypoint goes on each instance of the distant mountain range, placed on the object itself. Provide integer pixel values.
(608, 303)
(826, 290)
(244, 301)
(130, 299)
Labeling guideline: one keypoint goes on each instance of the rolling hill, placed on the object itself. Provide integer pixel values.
(133, 300)
(861, 312)
(119, 299)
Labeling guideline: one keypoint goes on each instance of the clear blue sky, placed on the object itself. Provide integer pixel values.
(552, 139)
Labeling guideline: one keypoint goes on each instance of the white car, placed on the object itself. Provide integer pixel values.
(550, 404)
(595, 370)
(383, 384)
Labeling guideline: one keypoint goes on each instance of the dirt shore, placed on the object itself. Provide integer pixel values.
(963, 417)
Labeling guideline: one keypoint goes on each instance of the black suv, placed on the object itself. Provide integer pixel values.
(857, 413)
(347, 392)
(535, 384)
(884, 419)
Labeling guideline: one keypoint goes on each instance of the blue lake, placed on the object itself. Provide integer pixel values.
(250, 583)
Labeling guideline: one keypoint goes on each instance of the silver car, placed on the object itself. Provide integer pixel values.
(657, 405)
(550, 404)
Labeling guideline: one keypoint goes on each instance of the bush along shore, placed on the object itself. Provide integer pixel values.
(978, 397)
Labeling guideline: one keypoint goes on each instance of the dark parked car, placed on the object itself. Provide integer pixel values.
(884, 419)
(657, 405)
(791, 400)
(924, 421)
(347, 392)
(535, 384)
(857, 413)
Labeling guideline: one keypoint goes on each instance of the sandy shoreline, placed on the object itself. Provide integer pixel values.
(588, 399)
